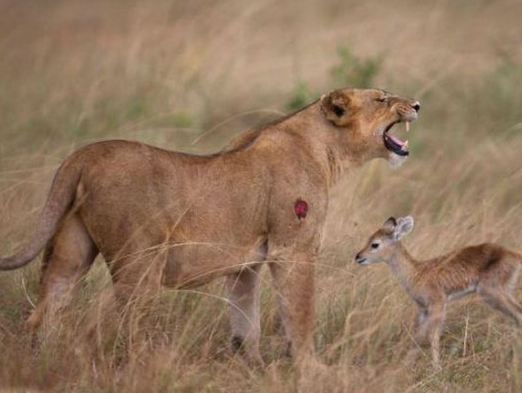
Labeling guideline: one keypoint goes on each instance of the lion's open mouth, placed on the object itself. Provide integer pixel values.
(393, 143)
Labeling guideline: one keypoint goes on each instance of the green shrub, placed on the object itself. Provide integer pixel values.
(353, 71)
(501, 97)
(301, 96)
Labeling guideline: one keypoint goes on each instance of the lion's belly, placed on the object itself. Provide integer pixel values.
(194, 240)
(197, 217)
(189, 252)
(212, 239)
(200, 262)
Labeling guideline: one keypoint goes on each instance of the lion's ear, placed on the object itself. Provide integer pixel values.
(335, 107)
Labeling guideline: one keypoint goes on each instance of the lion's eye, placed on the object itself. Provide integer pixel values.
(375, 245)
(381, 99)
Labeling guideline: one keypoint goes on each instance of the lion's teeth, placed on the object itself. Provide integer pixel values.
(407, 126)
(405, 146)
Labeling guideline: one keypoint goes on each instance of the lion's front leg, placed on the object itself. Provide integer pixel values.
(293, 276)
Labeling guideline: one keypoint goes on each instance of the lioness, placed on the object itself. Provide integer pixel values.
(163, 217)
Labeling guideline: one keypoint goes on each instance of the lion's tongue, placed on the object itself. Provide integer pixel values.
(403, 145)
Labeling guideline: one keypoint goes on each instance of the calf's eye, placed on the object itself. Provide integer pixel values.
(375, 245)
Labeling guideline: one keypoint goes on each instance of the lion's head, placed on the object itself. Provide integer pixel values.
(369, 116)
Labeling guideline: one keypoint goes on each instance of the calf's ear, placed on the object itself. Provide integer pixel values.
(403, 227)
(390, 224)
(335, 107)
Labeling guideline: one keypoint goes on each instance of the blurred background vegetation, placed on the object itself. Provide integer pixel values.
(192, 75)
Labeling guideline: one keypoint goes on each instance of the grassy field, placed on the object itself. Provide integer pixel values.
(190, 76)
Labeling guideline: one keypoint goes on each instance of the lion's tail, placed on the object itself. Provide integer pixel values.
(59, 200)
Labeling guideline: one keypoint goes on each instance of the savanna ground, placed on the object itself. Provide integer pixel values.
(190, 76)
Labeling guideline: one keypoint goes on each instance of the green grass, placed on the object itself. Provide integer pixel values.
(167, 73)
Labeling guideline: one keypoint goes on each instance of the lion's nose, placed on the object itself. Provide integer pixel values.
(416, 106)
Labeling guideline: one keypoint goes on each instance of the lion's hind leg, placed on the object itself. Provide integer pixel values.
(244, 312)
(67, 259)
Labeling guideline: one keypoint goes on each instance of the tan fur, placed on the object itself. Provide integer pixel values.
(163, 217)
(487, 269)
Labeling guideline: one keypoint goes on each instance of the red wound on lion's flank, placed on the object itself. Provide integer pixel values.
(301, 209)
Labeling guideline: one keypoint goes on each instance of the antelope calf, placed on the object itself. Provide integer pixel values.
(487, 269)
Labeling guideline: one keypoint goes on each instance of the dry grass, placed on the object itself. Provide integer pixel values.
(165, 71)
